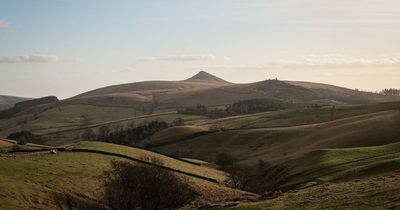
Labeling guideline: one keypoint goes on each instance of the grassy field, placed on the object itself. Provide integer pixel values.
(72, 180)
(351, 153)
(59, 136)
(300, 116)
(283, 143)
(8, 145)
(48, 181)
(172, 135)
(67, 123)
(333, 165)
(377, 192)
(139, 153)
(351, 178)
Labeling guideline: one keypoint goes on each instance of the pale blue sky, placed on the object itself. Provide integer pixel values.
(65, 47)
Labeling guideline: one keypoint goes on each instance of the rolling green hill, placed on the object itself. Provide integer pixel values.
(72, 179)
(350, 178)
(344, 164)
(65, 120)
(292, 139)
(138, 153)
(66, 124)
(376, 192)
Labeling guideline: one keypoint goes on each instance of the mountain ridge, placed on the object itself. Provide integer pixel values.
(210, 90)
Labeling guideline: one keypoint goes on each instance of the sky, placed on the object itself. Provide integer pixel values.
(66, 47)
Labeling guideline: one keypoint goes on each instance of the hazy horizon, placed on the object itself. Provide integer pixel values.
(63, 48)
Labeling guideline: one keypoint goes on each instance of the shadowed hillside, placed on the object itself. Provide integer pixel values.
(276, 144)
(9, 101)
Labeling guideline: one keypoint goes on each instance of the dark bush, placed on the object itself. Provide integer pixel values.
(146, 187)
(23, 137)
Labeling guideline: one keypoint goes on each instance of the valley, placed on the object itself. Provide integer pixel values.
(326, 140)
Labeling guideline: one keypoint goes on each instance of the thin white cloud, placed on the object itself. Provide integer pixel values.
(4, 24)
(34, 58)
(194, 57)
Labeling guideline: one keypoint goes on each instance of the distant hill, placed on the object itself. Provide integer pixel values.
(9, 101)
(205, 88)
(34, 102)
(25, 105)
(147, 93)
(128, 101)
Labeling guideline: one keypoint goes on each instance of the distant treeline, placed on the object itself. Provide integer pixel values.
(23, 137)
(129, 136)
(132, 135)
(24, 105)
(240, 107)
(391, 92)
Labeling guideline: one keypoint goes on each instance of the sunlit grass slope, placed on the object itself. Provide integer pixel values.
(344, 164)
(47, 181)
(140, 153)
(301, 116)
(73, 180)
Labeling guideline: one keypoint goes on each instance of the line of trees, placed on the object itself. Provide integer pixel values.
(391, 92)
(257, 105)
(23, 137)
(132, 135)
(239, 107)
